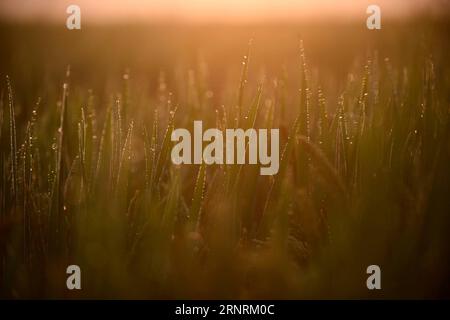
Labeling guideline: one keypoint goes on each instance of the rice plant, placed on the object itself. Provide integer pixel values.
(87, 177)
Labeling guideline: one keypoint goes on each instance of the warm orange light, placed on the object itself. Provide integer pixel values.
(207, 10)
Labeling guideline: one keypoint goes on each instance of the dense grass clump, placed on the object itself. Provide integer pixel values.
(87, 177)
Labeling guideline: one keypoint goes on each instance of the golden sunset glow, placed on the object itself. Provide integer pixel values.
(208, 10)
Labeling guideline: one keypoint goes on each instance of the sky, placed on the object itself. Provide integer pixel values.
(207, 10)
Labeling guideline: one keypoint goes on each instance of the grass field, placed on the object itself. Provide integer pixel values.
(86, 175)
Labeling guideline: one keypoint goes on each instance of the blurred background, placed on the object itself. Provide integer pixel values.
(229, 11)
(147, 37)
